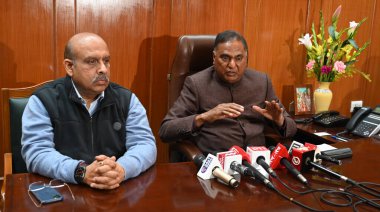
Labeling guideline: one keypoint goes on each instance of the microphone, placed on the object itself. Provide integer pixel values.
(243, 170)
(279, 156)
(226, 158)
(318, 156)
(198, 160)
(304, 156)
(330, 172)
(211, 168)
(329, 159)
(295, 144)
(300, 156)
(247, 162)
(259, 155)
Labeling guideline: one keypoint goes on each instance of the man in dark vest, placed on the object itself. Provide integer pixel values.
(84, 128)
(226, 104)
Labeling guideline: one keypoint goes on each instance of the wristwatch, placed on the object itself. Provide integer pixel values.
(80, 172)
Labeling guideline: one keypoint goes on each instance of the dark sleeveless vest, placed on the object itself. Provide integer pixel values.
(76, 133)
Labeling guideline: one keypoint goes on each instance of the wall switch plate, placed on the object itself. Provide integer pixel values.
(356, 104)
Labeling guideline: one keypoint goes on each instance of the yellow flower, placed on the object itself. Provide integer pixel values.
(319, 50)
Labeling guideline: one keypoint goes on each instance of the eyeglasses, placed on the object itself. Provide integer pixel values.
(39, 185)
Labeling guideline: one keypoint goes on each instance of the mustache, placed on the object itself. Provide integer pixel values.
(101, 77)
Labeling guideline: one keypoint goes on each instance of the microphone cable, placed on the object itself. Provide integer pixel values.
(291, 199)
(352, 183)
(369, 188)
(345, 195)
(290, 188)
(339, 135)
(366, 189)
(360, 202)
(313, 191)
(257, 174)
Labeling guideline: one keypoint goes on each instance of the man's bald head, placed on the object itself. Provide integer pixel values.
(79, 38)
(87, 62)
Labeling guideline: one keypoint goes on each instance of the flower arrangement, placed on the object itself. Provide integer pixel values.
(332, 58)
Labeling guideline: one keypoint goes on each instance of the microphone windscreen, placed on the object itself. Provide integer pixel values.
(198, 160)
(301, 157)
(277, 153)
(240, 151)
(287, 146)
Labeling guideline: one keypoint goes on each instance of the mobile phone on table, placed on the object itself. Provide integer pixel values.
(47, 195)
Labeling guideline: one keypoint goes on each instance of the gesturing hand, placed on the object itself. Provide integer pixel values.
(224, 110)
(272, 111)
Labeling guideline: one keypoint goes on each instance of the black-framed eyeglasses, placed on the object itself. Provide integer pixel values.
(40, 185)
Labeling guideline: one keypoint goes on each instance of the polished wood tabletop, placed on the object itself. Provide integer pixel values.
(306, 133)
(175, 187)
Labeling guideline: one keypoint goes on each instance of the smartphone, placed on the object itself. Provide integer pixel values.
(47, 195)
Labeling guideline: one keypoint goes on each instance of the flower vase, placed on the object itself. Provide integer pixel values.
(322, 97)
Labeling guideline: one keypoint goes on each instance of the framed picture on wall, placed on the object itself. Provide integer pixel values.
(303, 99)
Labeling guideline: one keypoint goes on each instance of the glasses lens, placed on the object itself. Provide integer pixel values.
(56, 183)
(36, 186)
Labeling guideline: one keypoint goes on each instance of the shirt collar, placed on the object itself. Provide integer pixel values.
(99, 98)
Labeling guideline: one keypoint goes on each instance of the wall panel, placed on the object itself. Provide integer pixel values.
(26, 42)
(160, 63)
(214, 16)
(371, 90)
(272, 31)
(64, 28)
(124, 25)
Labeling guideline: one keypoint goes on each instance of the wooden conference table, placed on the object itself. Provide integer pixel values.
(175, 187)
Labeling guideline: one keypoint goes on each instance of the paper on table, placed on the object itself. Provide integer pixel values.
(324, 147)
(322, 133)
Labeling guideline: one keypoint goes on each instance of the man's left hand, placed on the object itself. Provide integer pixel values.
(109, 174)
(272, 111)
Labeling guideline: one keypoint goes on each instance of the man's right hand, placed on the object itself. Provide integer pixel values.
(104, 173)
(222, 111)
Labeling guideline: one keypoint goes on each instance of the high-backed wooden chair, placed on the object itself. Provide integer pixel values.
(13, 102)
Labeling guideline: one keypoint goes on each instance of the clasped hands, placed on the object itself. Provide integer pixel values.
(271, 111)
(104, 173)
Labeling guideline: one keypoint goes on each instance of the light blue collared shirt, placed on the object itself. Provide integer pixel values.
(93, 104)
(38, 148)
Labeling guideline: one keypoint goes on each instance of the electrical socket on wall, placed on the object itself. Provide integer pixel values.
(356, 104)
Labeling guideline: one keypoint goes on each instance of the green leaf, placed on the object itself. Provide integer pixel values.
(365, 75)
(350, 62)
(314, 35)
(332, 32)
(336, 15)
(353, 43)
(322, 25)
(337, 36)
